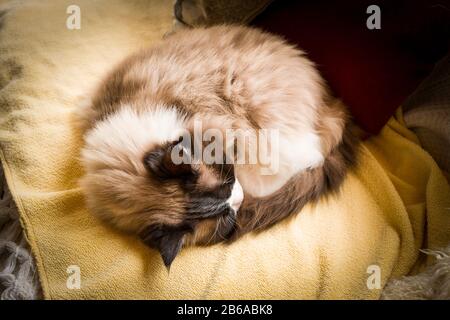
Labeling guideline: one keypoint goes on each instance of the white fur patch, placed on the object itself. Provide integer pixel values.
(127, 135)
(304, 151)
(237, 196)
(297, 152)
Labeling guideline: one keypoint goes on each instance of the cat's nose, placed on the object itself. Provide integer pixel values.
(237, 196)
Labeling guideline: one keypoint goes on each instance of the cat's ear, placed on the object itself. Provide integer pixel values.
(169, 161)
(168, 240)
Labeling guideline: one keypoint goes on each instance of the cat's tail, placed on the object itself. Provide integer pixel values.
(257, 214)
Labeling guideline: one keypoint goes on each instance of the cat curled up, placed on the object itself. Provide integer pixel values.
(225, 78)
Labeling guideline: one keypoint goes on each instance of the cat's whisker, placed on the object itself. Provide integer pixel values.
(215, 230)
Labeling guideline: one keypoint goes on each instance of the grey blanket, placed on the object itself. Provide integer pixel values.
(18, 276)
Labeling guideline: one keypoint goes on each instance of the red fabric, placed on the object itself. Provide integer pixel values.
(372, 71)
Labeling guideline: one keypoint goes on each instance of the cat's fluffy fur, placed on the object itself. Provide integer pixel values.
(227, 77)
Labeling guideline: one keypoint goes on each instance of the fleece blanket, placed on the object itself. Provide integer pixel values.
(394, 203)
(427, 113)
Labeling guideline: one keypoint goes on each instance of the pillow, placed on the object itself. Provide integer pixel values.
(372, 71)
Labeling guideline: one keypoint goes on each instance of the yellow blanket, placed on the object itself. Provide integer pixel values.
(396, 202)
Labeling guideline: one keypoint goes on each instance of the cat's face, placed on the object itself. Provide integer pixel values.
(211, 197)
(132, 182)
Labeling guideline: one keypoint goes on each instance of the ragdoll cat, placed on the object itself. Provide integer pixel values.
(224, 77)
